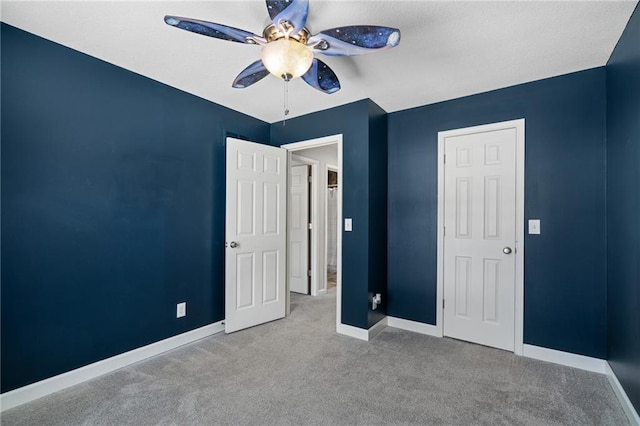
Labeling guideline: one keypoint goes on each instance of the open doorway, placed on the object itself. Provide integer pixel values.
(321, 156)
(331, 228)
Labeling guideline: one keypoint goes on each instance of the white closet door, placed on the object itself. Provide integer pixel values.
(480, 234)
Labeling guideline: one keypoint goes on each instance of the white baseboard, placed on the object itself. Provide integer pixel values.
(582, 362)
(627, 406)
(377, 328)
(56, 383)
(416, 327)
(351, 331)
(361, 333)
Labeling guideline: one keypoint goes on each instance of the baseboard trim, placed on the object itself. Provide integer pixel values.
(377, 328)
(568, 359)
(361, 333)
(351, 331)
(53, 384)
(416, 327)
(627, 406)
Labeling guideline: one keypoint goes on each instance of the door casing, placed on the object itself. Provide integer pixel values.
(520, 221)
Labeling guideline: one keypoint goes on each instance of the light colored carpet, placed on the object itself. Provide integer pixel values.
(298, 371)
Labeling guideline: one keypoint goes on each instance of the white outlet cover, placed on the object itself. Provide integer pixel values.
(534, 226)
(181, 310)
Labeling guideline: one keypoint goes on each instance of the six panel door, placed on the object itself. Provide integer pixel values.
(479, 240)
(255, 253)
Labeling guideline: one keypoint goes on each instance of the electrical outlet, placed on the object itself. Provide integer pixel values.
(377, 299)
(181, 310)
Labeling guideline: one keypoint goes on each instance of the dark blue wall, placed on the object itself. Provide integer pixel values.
(377, 210)
(352, 122)
(623, 209)
(565, 269)
(112, 208)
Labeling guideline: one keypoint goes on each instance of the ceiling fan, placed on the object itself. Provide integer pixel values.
(288, 47)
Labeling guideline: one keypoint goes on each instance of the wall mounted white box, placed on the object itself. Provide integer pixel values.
(181, 310)
(348, 224)
(534, 226)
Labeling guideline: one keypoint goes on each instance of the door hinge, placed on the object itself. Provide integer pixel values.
(442, 303)
(309, 179)
(445, 159)
(311, 226)
(444, 230)
(309, 272)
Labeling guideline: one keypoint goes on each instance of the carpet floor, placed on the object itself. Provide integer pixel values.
(298, 371)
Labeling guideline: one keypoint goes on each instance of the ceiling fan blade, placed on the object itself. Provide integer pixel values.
(321, 77)
(288, 14)
(354, 40)
(212, 29)
(251, 74)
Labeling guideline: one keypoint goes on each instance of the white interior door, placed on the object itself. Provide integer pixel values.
(255, 253)
(480, 235)
(299, 229)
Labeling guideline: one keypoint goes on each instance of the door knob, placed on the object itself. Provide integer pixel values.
(233, 244)
(506, 250)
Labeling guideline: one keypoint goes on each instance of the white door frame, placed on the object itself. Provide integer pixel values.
(314, 143)
(313, 195)
(518, 125)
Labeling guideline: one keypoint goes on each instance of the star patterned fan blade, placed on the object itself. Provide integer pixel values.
(212, 29)
(321, 77)
(354, 40)
(250, 75)
(288, 15)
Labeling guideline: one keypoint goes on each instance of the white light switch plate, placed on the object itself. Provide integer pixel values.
(534, 226)
(348, 224)
(181, 310)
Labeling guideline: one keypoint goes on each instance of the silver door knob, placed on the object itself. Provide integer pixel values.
(506, 250)
(233, 244)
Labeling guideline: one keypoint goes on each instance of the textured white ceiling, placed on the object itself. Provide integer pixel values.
(448, 49)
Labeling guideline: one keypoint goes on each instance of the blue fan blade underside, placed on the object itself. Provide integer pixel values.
(293, 11)
(321, 77)
(250, 75)
(354, 40)
(211, 29)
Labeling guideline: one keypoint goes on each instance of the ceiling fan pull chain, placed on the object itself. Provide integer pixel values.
(286, 102)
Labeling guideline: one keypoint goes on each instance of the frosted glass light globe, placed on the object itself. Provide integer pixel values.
(286, 58)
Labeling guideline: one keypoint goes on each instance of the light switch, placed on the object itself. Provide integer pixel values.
(534, 226)
(181, 310)
(348, 225)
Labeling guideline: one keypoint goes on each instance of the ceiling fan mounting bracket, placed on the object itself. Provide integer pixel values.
(272, 33)
(322, 44)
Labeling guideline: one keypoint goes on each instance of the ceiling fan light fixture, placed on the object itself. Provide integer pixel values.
(286, 58)
(288, 47)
